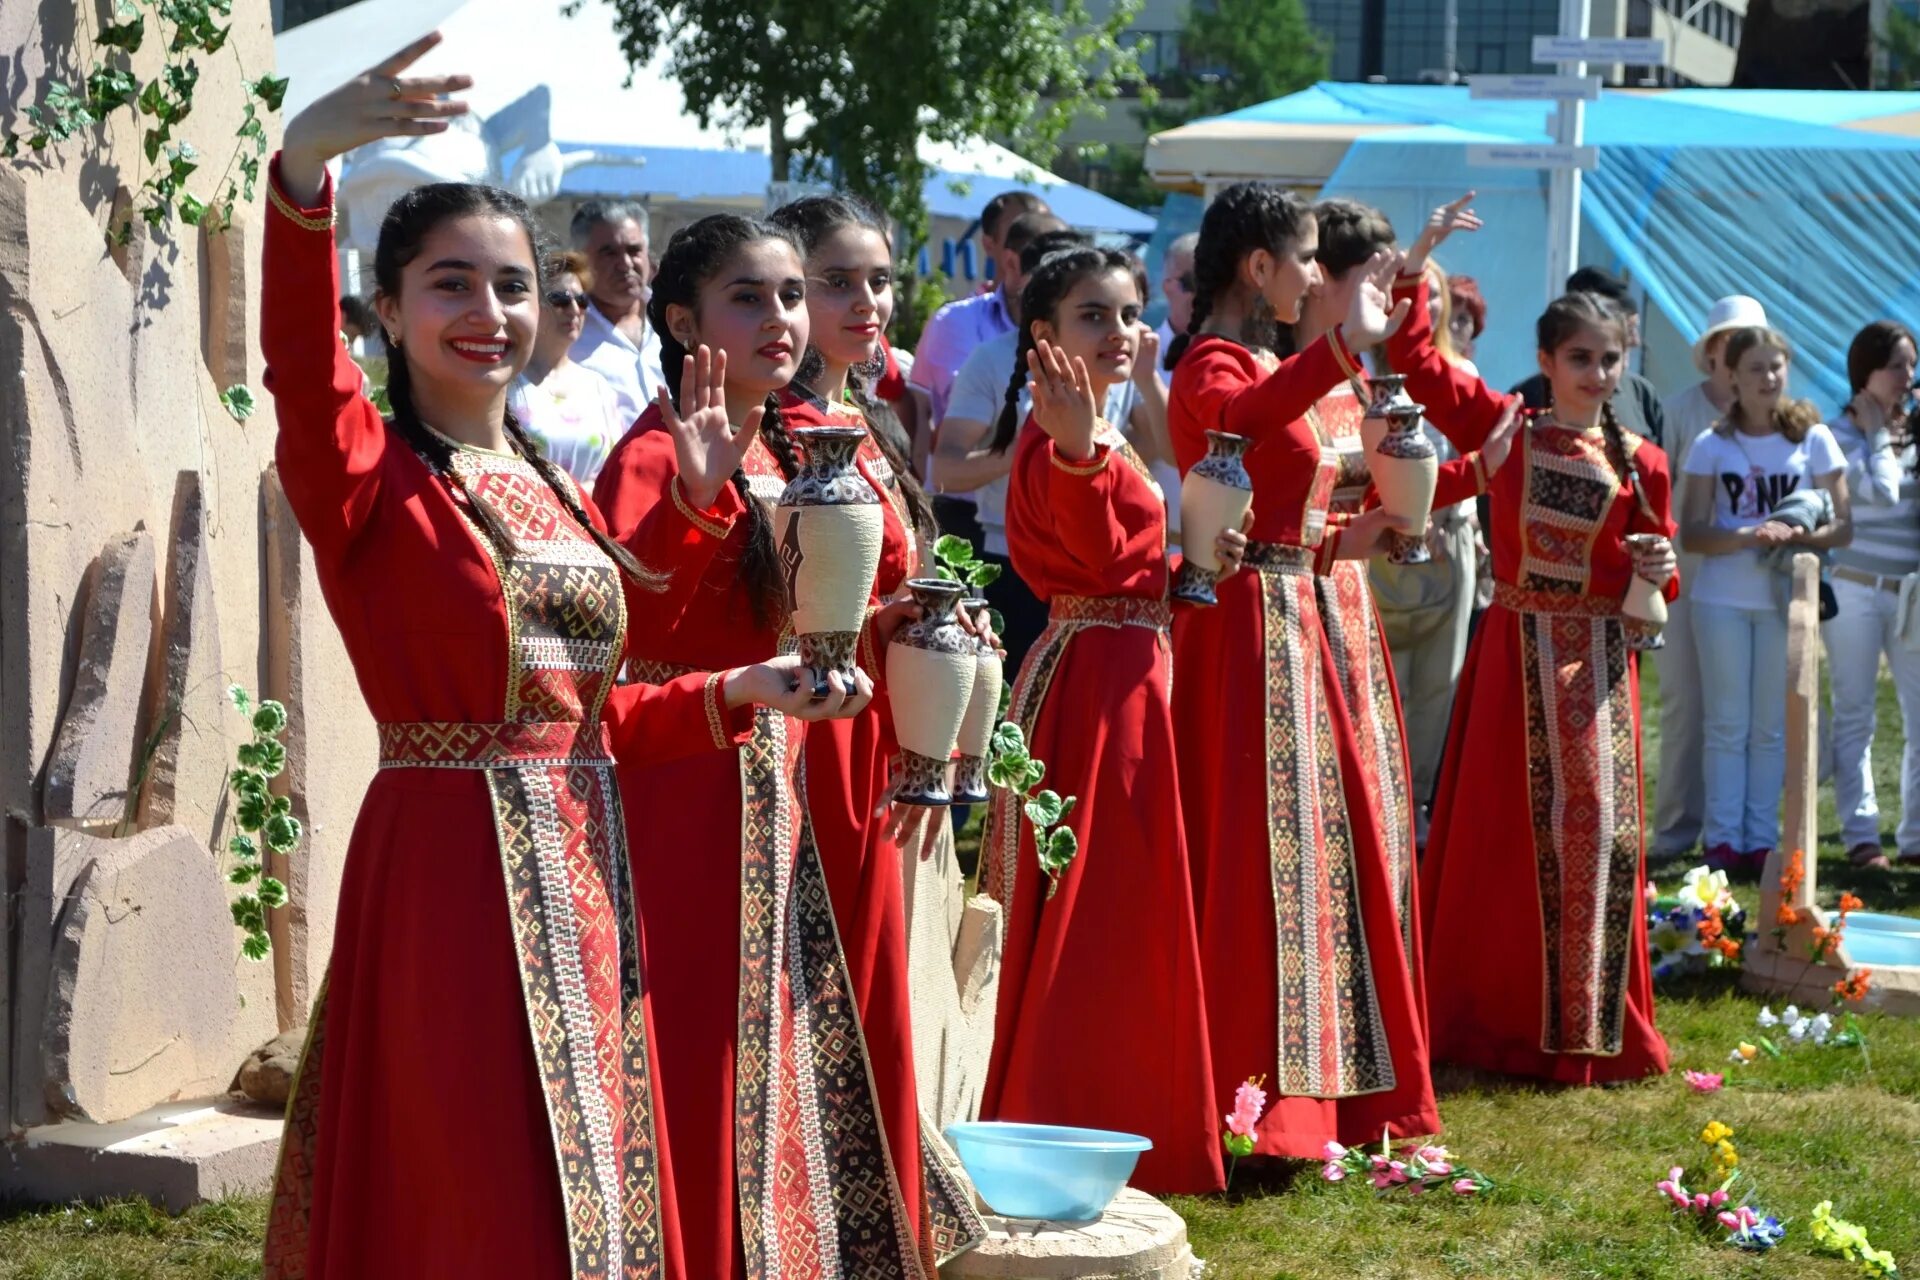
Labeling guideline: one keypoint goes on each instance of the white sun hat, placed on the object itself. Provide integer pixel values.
(1735, 312)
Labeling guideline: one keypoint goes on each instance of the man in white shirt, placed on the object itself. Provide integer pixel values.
(615, 339)
(1680, 798)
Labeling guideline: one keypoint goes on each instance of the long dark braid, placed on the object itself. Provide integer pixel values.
(408, 223)
(812, 219)
(1244, 217)
(1047, 286)
(696, 254)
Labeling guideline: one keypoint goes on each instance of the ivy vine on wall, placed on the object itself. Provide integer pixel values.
(186, 29)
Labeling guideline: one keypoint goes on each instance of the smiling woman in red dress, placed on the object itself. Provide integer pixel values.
(1537, 833)
(1087, 529)
(1307, 979)
(485, 913)
(760, 1036)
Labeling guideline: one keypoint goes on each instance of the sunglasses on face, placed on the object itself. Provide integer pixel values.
(1185, 282)
(561, 299)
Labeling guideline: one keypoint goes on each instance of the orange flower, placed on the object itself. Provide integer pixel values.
(1794, 875)
(1854, 987)
(1788, 916)
(1849, 903)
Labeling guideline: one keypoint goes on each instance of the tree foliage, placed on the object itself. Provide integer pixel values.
(1901, 44)
(847, 88)
(1240, 52)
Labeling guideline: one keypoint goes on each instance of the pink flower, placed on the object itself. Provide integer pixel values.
(1248, 1101)
(1670, 1187)
(1333, 1151)
(1730, 1221)
(1388, 1173)
(1718, 1198)
(1704, 1081)
(1333, 1171)
(1700, 1202)
(1439, 1168)
(1415, 1188)
(1465, 1187)
(1432, 1155)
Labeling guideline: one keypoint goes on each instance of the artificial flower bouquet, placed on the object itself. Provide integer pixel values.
(1747, 1226)
(1416, 1168)
(1698, 927)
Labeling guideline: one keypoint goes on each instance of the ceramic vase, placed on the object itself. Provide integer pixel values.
(931, 666)
(1215, 497)
(1406, 468)
(828, 528)
(1645, 608)
(1389, 394)
(976, 728)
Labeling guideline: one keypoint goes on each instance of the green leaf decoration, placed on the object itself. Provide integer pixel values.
(249, 782)
(1007, 737)
(271, 90)
(283, 833)
(1044, 809)
(280, 805)
(1036, 770)
(271, 718)
(191, 211)
(1066, 807)
(239, 698)
(1005, 771)
(272, 892)
(251, 813)
(125, 35)
(1059, 849)
(256, 946)
(273, 758)
(245, 873)
(244, 848)
(945, 574)
(983, 574)
(238, 401)
(954, 551)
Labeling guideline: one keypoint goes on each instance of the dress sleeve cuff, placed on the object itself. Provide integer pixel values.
(1083, 467)
(317, 218)
(1349, 363)
(1328, 551)
(715, 521)
(1482, 481)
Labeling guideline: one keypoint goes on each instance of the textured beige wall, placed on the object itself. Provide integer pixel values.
(112, 423)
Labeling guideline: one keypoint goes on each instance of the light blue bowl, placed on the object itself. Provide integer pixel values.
(1873, 949)
(1881, 923)
(1045, 1170)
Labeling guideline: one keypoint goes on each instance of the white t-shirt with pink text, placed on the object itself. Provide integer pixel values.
(1751, 475)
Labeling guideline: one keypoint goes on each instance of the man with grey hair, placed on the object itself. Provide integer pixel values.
(1176, 283)
(615, 339)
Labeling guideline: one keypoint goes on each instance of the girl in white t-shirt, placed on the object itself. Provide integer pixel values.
(1768, 447)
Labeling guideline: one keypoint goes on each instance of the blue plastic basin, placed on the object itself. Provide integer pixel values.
(1044, 1170)
(1873, 949)
(1881, 923)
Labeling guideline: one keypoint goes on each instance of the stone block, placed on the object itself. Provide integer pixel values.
(953, 962)
(1137, 1238)
(267, 1074)
(143, 997)
(332, 749)
(96, 753)
(177, 1155)
(55, 861)
(190, 711)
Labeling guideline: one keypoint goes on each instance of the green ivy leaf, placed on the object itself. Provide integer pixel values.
(999, 621)
(215, 38)
(244, 848)
(10, 147)
(1044, 809)
(245, 873)
(110, 88)
(256, 946)
(125, 35)
(251, 813)
(271, 90)
(272, 892)
(154, 138)
(271, 718)
(246, 911)
(983, 574)
(248, 754)
(1066, 808)
(945, 574)
(237, 399)
(280, 806)
(181, 161)
(1059, 849)
(283, 833)
(1036, 771)
(1008, 771)
(953, 551)
(273, 758)
(1007, 739)
(152, 100)
(241, 701)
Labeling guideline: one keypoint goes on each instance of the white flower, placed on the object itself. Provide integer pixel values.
(1797, 1031)
(1735, 1056)
(1790, 1015)
(1766, 1018)
(1707, 887)
(1822, 1028)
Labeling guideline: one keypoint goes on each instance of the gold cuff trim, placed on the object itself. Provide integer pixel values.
(695, 517)
(1326, 554)
(1482, 478)
(869, 655)
(1093, 468)
(716, 722)
(305, 222)
(1348, 365)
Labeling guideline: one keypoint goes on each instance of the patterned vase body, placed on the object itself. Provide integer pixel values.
(976, 728)
(1645, 608)
(1215, 497)
(1389, 393)
(931, 666)
(1405, 469)
(829, 529)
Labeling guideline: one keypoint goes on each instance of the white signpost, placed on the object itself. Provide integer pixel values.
(1532, 155)
(1533, 88)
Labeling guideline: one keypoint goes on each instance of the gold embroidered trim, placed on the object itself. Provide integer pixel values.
(716, 724)
(1482, 478)
(695, 517)
(1093, 468)
(1111, 611)
(304, 221)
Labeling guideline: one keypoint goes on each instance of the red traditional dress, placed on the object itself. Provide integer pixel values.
(475, 1097)
(1101, 1022)
(849, 766)
(761, 1051)
(1307, 980)
(1532, 886)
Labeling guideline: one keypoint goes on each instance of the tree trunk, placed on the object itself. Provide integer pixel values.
(779, 151)
(1805, 44)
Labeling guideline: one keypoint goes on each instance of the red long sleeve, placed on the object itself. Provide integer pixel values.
(1462, 406)
(1459, 481)
(1221, 386)
(1656, 482)
(332, 440)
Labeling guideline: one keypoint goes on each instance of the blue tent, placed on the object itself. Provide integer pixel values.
(1809, 201)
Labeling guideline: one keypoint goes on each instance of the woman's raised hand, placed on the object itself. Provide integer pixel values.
(1499, 442)
(707, 447)
(1375, 316)
(1063, 400)
(378, 103)
(1441, 223)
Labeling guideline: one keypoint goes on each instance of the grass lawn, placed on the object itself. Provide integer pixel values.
(1575, 1168)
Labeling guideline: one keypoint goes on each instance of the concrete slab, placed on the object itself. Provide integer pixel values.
(177, 1156)
(1138, 1238)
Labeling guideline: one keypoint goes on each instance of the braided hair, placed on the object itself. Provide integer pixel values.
(1047, 287)
(1566, 316)
(1244, 217)
(402, 235)
(695, 255)
(812, 219)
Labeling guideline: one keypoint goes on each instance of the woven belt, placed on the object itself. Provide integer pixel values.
(1112, 611)
(1279, 557)
(650, 671)
(1520, 600)
(452, 744)
(1880, 582)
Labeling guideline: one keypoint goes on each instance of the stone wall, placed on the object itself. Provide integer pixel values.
(146, 562)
